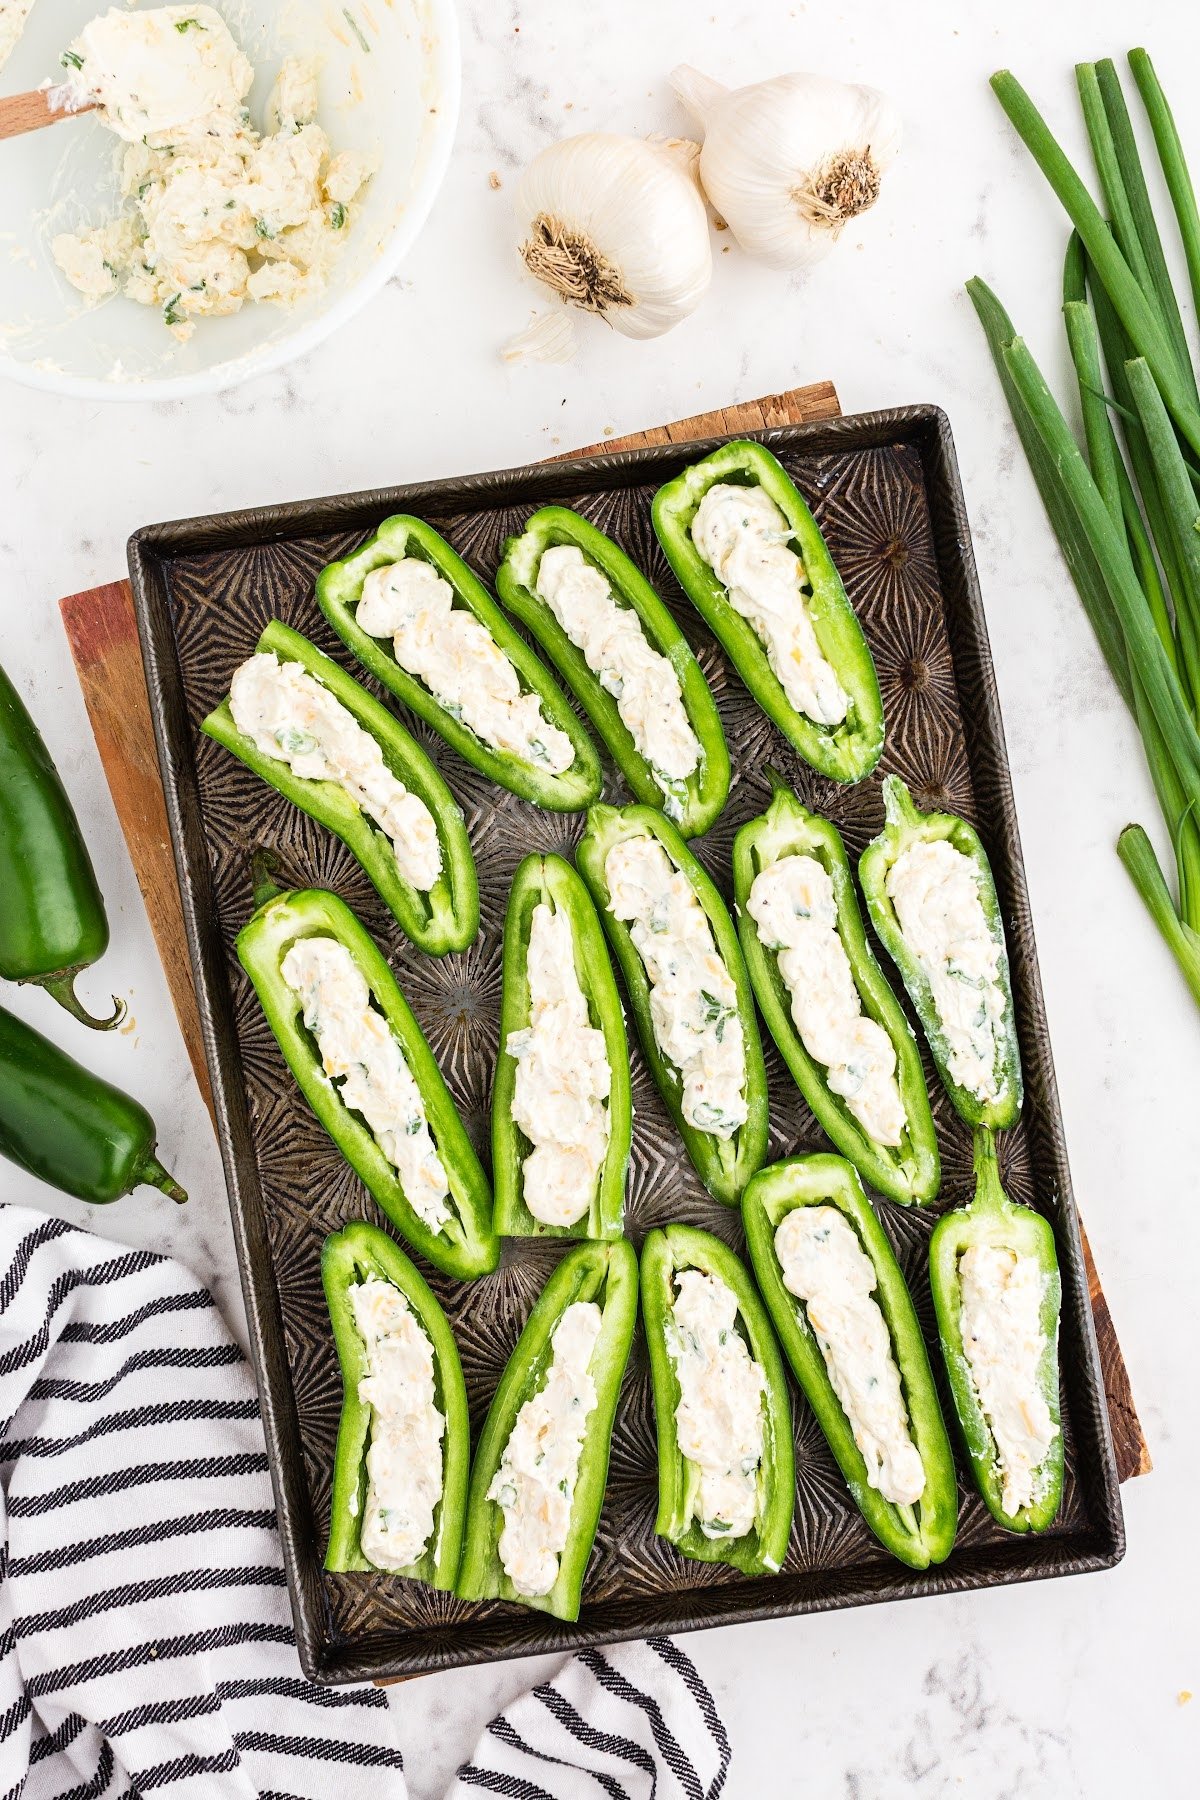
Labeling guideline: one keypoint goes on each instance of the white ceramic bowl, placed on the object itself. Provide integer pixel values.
(398, 98)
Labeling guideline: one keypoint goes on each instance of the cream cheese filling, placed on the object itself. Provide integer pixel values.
(1002, 1293)
(360, 1053)
(535, 1483)
(562, 1079)
(693, 1000)
(447, 649)
(719, 1418)
(404, 1456)
(292, 717)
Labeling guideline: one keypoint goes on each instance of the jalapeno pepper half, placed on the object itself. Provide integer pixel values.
(906, 1171)
(361, 1252)
(607, 1275)
(692, 803)
(919, 1534)
(447, 916)
(993, 1221)
(551, 882)
(464, 1244)
(68, 1127)
(52, 920)
(761, 1550)
(905, 826)
(724, 1165)
(849, 750)
(339, 590)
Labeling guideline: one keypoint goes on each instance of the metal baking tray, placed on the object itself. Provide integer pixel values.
(885, 489)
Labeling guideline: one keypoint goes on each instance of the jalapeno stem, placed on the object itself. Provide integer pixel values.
(61, 987)
(151, 1173)
(264, 866)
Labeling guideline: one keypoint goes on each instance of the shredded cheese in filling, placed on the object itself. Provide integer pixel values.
(218, 213)
(535, 1483)
(824, 1265)
(404, 1456)
(794, 910)
(445, 647)
(1002, 1335)
(935, 891)
(562, 1079)
(290, 716)
(719, 1418)
(745, 540)
(361, 1054)
(615, 648)
(693, 1000)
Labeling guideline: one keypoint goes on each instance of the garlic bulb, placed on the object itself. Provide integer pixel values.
(616, 226)
(787, 162)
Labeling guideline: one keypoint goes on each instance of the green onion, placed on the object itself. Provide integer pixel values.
(1126, 515)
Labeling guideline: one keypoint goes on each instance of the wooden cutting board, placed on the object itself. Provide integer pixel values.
(102, 633)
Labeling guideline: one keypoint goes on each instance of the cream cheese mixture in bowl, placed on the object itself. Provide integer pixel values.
(387, 92)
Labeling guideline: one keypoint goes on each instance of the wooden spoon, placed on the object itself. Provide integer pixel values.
(29, 112)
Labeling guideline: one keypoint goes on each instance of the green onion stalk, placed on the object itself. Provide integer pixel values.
(1124, 506)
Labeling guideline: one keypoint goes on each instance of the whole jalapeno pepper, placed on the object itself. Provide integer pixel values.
(827, 1344)
(550, 883)
(848, 749)
(70, 1128)
(442, 918)
(909, 1167)
(530, 1561)
(460, 1240)
(760, 1549)
(693, 801)
(964, 1001)
(724, 1155)
(362, 1254)
(339, 593)
(997, 1294)
(52, 920)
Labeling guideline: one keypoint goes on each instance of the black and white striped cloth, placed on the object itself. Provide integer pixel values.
(145, 1637)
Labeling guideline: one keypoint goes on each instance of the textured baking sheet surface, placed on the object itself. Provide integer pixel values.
(884, 490)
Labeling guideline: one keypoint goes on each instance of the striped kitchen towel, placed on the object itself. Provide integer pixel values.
(146, 1642)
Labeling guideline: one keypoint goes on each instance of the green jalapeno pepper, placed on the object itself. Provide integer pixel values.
(761, 1550)
(52, 920)
(904, 827)
(724, 1164)
(361, 1252)
(463, 1244)
(339, 590)
(607, 1276)
(919, 1533)
(911, 1168)
(549, 881)
(993, 1221)
(692, 803)
(848, 750)
(447, 916)
(68, 1127)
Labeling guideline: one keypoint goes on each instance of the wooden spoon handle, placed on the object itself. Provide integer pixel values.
(29, 112)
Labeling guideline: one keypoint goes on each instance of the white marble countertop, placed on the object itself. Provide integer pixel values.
(1074, 1688)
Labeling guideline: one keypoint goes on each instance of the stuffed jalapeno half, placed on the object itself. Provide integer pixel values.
(562, 1116)
(932, 900)
(749, 556)
(312, 732)
(413, 613)
(357, 1052)
(839, 1027)
(997, 1293)
(848, 1327)
(688, 986)
(404, 1440)
(726, 1462)
(629, 665)
(541, 1466)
